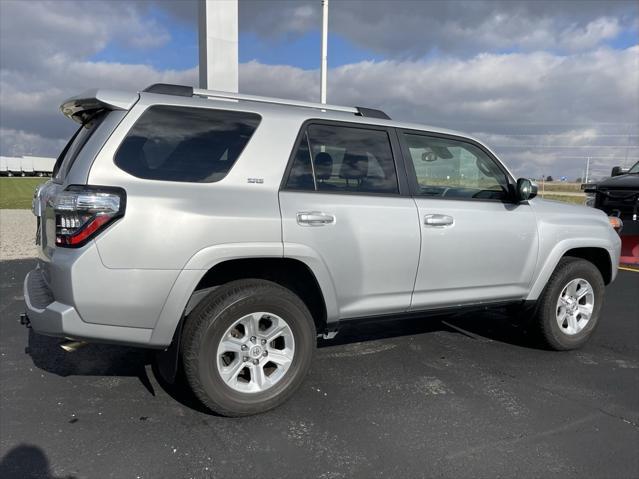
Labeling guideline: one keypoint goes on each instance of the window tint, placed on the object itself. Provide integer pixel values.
(339, 158)
(454, 169)
(185, 144)
(70, 152)
(301, 176)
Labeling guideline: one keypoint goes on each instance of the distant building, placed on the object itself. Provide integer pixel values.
(26, 166)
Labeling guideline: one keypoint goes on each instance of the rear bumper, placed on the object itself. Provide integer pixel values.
(73, 294)
(53, 318)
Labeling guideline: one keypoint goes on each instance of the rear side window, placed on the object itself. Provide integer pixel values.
(173, 143)
(344, 159)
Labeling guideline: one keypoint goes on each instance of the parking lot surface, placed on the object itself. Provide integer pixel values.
(460, 396)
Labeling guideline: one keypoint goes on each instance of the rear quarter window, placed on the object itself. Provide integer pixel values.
(172, 143)
(70, 152)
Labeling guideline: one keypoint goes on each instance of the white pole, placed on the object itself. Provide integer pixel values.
(324, 51)
(587, 169)
(218, 42)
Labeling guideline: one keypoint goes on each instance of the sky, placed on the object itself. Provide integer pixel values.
(546, 84)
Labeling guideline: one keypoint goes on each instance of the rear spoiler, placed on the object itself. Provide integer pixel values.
(81, 107)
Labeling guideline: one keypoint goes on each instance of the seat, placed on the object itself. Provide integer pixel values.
(354, 167)
(323, 170)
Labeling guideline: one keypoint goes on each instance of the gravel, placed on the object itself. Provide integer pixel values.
(17, 234)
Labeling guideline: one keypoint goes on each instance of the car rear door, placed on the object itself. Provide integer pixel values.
(346, 209)
(477, 244)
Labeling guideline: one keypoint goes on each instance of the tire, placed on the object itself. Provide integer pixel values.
(549, 309)
(214, 324)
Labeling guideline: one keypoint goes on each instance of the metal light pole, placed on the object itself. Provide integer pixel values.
(324, 58)
(587, 170)
(218, 42)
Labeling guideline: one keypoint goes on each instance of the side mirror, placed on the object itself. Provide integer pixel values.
(618, 170)
(526, 189)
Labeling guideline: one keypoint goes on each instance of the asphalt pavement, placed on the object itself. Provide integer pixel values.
(460, 396)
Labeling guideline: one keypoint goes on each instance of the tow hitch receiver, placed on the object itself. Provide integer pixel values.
(24, 320)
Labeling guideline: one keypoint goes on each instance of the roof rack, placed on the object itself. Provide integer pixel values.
(187, 91)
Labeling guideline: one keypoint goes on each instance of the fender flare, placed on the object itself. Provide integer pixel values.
(202, 261)
(560, 249)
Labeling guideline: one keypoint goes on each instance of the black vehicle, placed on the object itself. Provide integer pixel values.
(618, 196)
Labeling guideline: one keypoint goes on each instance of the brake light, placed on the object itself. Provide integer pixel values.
(81, 212)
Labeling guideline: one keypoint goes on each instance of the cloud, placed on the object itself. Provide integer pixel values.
(489, 88)
(572, 106)
(19, 142)
(570, 103)
(29, 100)
(413, 29)
(45, 49)
(33, 32)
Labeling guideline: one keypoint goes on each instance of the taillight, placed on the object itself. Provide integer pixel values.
(81, 212)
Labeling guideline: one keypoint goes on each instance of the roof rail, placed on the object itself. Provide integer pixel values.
(266, 99)
(372, 113)
(168, 89)
(180, 90)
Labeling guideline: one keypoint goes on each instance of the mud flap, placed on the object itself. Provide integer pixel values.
(168, 360)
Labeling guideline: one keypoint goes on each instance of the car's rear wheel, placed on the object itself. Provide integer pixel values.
(568, 309)
(247, 346)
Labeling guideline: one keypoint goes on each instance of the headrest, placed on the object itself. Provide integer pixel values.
(323, 166)
(354, 167)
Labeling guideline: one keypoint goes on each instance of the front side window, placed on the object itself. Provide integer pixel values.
(344, 159)
(454, 169)
(172, 143)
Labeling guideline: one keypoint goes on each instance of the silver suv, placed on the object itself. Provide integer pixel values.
(230, 231)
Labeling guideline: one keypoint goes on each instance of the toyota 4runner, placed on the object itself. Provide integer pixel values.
(230, 231)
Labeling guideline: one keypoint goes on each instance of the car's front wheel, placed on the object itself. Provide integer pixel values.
(247, 346)
(569, 307)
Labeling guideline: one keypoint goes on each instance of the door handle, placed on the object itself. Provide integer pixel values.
(438, 220)
(314, 218)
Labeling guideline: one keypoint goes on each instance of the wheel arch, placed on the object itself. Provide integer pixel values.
(597, 256)
(290, 273)
(294, 273)
(597, 252)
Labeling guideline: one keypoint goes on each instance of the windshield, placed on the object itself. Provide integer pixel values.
(75, 144)
(635, 168)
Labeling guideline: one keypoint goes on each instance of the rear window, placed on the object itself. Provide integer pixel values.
(76, 143)
(173, 143)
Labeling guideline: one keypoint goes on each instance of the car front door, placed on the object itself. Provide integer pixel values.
(346, 210)
(477, 244)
